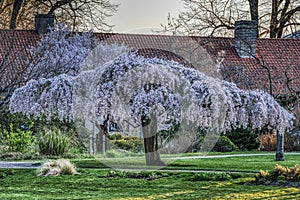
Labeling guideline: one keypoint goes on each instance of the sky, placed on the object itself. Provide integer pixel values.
(143, 16)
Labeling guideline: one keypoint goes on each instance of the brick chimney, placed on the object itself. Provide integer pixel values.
(245, 36)
(43, 22)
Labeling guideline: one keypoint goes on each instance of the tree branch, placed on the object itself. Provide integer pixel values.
(16, 9)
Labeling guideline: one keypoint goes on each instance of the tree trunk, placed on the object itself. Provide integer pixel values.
(274, 18)
(102, 142)
(15, 13)
(102, 136)
(279, 146)
(149, 128)
(254, 11)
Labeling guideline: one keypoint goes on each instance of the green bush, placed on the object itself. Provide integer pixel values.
(53, 142)
(129, 143)
(113, 154)
(224, 144)
(11, 156)
(211, 176)
(4, 173)
(136, 175)
(18, 120)
(116, 136)
(16, 139)
(245, 139)
(292, 140)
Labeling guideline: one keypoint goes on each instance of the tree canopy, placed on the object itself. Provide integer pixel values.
(152, 93)
(255, 109)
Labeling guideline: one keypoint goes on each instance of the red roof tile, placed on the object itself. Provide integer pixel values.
(281, 56)
(14, 53)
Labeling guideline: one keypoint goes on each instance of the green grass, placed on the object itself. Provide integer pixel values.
(226, 153)
(90, 184)
(239, 164)
(243, 164)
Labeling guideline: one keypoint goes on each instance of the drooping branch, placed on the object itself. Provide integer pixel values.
(128, 86)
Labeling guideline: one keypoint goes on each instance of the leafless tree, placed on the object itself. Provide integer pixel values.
(79, 14)
(216, 17)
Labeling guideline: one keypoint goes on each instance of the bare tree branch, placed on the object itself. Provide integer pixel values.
(216, 17)
(16, 9)
(77, 14)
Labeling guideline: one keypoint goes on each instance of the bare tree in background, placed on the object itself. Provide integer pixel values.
(216, 17)
(79, 14)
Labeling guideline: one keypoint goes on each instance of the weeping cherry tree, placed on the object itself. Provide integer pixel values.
(157, 95)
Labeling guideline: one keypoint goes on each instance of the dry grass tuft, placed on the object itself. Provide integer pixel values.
(56, 168)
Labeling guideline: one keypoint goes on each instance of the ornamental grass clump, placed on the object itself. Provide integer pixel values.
(56, 168)
(54, 143)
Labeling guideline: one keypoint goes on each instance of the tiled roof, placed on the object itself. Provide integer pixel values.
(14, 54)
(281, 56)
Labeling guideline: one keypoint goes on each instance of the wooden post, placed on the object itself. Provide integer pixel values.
(279, 146)
(103, 143)
(94, 139)
(91, 145)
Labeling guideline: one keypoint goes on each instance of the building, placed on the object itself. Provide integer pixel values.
(272, 65)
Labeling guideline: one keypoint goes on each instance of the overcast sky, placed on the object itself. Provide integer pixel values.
(142, 16)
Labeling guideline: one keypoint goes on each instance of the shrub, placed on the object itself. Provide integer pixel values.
(11, 156)
(148, 175)
(224, 144)
(54, 143)
(279, 173)
(116, 136)
(129, 143)
(292, 141)
(18, 120)
(245, 139)
(267, 142)
(16, 139)
(56, 168)
(4, 173)
(113, 153)
(262, 176)
(211, 176)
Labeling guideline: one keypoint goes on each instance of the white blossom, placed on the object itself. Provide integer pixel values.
(60, 52)
(176, 92)
(45, 98)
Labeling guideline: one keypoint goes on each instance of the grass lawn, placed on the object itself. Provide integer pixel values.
(92, 183)
(239, 164)
(242, 164)
(24, 184)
